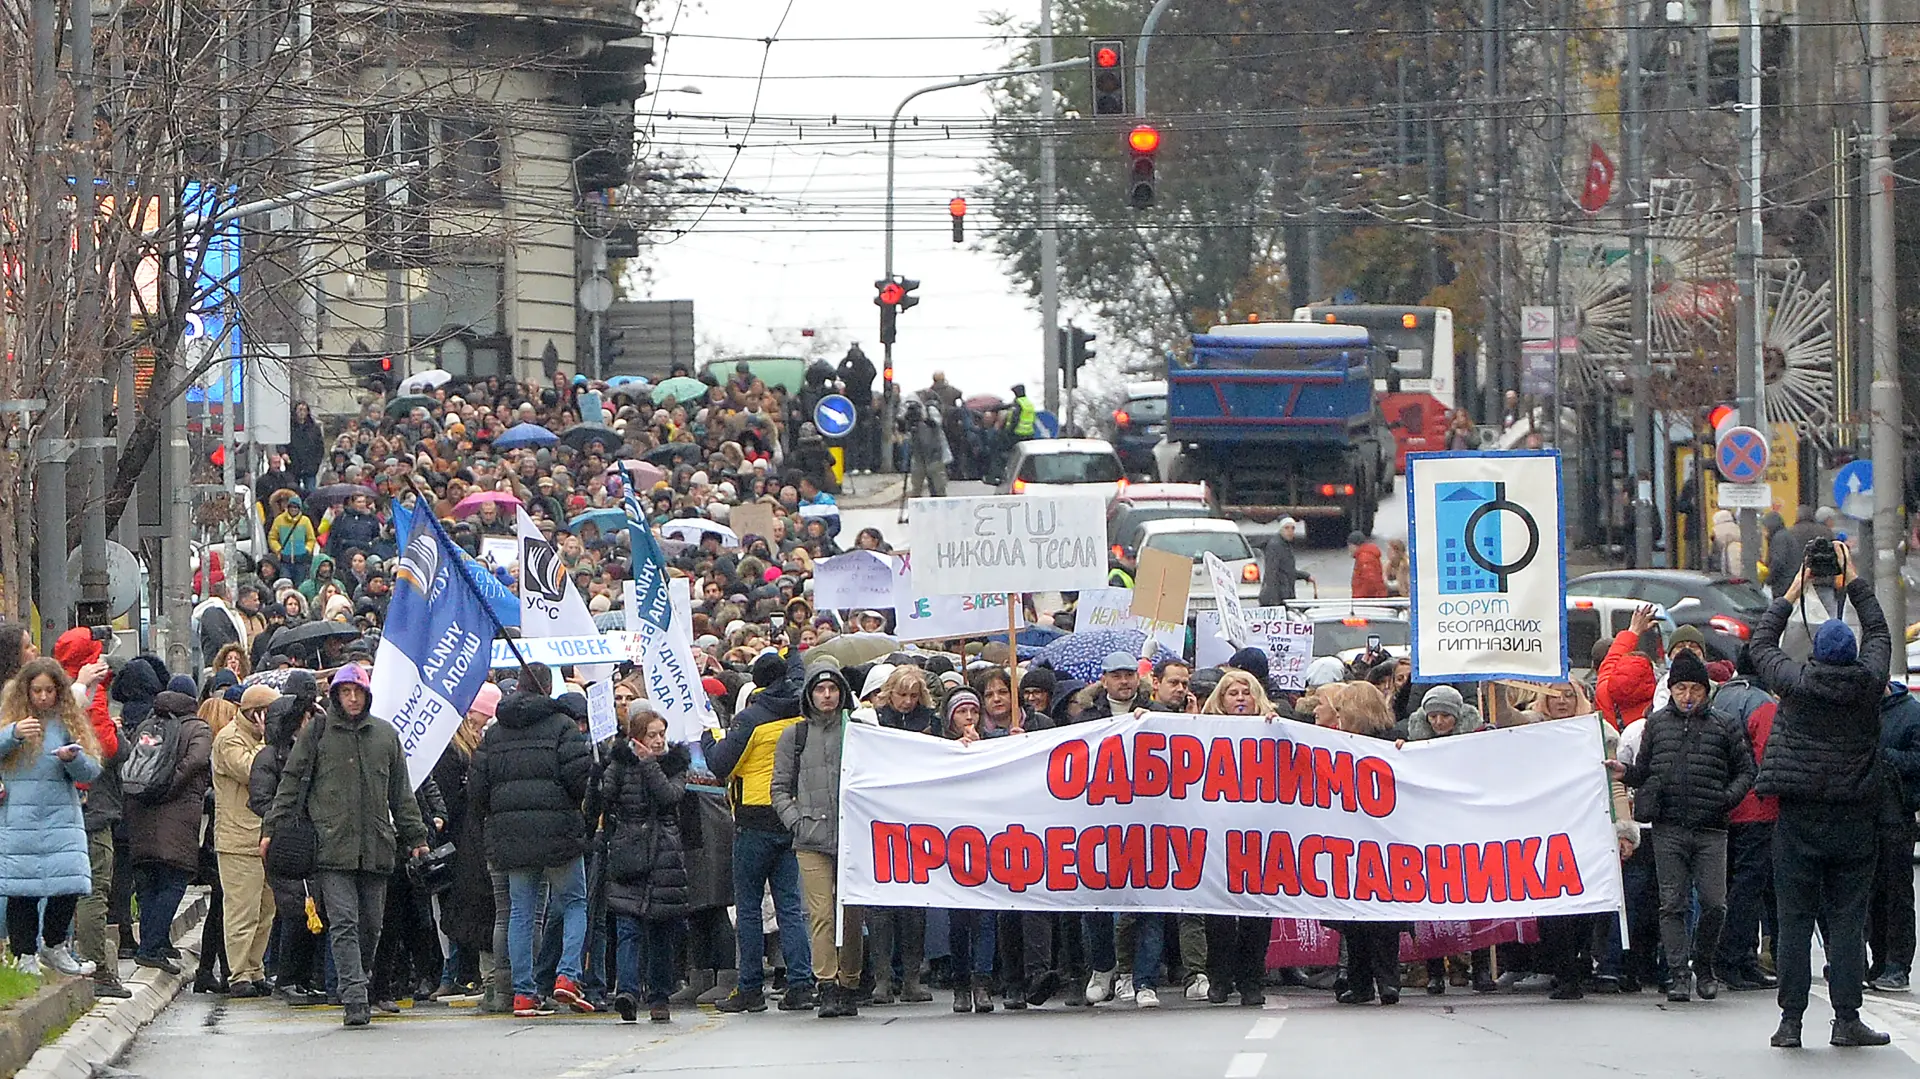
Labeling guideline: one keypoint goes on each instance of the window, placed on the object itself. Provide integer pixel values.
(1147, 409)
(1226, 546)
(1071, 468)
(466, 159)
(1605, 586)
(1661, 592)
(458, 299)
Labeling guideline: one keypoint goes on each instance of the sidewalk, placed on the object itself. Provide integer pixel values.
(871, 491)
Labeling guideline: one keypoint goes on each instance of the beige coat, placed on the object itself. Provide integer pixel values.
(236, 830)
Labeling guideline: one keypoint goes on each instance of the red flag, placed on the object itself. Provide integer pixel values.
(1599, 187)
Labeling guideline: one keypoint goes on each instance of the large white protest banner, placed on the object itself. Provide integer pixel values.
(1489, 565)
(858, 579)
(1226, 600)
(920, 617)
(1012, 543)
(1227, 815)
(1112, 608)
(1286, 638)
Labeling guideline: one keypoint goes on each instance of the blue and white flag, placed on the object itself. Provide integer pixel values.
(550, 605)
(653, 612)
(498, 594)
(435, 649)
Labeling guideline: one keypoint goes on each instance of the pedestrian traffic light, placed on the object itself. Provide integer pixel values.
(958, 208)
(1142, 143)
(908, 300)
(1109, 61)
(1080, 348)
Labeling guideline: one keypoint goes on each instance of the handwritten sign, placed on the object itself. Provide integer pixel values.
(602, 721)
(1226, 599)
(859, 579)
(1112, 608)
(919, 617)
(1287, 641)
(752, 519)
(1017, 543)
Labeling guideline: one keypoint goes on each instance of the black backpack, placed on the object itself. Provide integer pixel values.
(146, 776)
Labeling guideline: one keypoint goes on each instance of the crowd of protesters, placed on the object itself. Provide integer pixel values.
(536, 872)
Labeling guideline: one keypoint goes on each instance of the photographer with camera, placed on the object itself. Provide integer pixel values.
(1823, 763)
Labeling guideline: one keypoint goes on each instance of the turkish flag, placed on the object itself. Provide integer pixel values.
(1599, 188)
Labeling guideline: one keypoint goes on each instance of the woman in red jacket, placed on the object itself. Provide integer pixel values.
(1369, 577)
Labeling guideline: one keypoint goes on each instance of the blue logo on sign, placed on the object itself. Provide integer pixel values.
(833, 415)
(1468, 522)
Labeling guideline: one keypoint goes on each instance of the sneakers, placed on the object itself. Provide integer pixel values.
(387, 1007)
(28, 964)
(1197, 987)
(628, 1008)
(1100, 987)
(658, 1013)
(1145, 997)
(743, 1000)
(1682, 989)
(566, 992)
(61, 958)
(525, 1007)
(1895, 982)
(1853, 1034)
(357, 1015)
(1123, 987)
(110, 989)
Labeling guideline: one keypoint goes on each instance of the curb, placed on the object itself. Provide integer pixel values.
(58, 1001)
(104, 1032)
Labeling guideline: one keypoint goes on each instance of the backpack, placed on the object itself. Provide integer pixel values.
(147, 774)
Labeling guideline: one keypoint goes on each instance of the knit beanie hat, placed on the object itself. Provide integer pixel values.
(1686, 667)
(769, 669)
(1444, 699)
(1251, 660)
(1833, 643)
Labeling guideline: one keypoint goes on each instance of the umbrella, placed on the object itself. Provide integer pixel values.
(664, 455)
(690, 528)
(853, 649)
(424, 381)
(1037, 637)
(680, 389)
(322, 497)
(471, 504)
(606, 519)
(580, 434)
(644, 475)
(621, 382)
(273, 679)
(606, 621)
(1081, 655)
(983, 402)
(312, 631)
(525, 434)
(406, 403)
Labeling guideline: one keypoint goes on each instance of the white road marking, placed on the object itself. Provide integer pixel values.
(1246, 1065)
(1264, 1029)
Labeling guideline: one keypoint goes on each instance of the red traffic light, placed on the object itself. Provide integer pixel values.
(1719, 415)
(386, 363)
(892, 293)
(957, 207)
(1106, 56)
(1144, 139)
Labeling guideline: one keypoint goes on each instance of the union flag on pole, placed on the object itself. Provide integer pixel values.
(1599, 186)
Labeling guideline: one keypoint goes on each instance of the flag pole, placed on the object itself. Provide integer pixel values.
(453, 553)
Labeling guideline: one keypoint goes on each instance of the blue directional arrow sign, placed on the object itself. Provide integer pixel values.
(1853, 489)
(833, 415)
(1046, 424)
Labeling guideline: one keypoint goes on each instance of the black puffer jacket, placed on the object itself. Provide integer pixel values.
(646, 866)
(1691, 769)
(529, 778)
(922, 720)
(1826, 735)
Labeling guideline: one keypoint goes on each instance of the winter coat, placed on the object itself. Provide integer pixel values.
(1900, 744)
(306, 447)
(744, 758)
(1743, 701)
(1625, 686)
(1098, 706)
(1825, 745)
(292, 538)
(236, 827)
(1419, 729)
(529, 779)
(168, 832)
(1280, 573)
(1369, 577)
(806, 770)
(1691, 769)
(43, 834)
(352, 530)
(361, 803)
(922, 720)
(646, 867)
(75, 649)
(706, 843)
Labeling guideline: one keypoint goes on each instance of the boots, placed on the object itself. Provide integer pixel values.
(724, 982)
(962, 998)
(982, 995)
(883, 987)
(698, 982)
(912, 992)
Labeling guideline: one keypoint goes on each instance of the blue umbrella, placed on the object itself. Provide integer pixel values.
(1081, 655)
(620, 382)
(525, 434)
(1037, 637)
(607, 518)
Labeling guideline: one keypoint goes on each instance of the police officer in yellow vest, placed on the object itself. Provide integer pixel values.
(1016, 425)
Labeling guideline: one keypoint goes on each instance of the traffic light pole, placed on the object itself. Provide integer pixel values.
(1888, 443)
(1051, 361)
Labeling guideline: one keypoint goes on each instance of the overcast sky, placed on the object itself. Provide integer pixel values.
(809, 249)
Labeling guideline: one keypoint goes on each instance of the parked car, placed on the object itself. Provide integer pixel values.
(1596, 618)
(1345, 630)
(1060, 465)
(1144, 502)
(1195, 537)
(1139, 424)
(1724, 608)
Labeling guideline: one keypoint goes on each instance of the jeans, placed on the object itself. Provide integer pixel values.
(567, 886)
(645, 942)
(356, 902)
(159, 889)
(1096, 927)
(1691, 860)
(970, 938)
(1890, 917)
(1149, 949)
(762, 859)
(1823, 861)
(1749, 895)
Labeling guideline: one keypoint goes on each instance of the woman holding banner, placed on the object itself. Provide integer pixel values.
(970, 934)
(1373, 948)
(1237, 946)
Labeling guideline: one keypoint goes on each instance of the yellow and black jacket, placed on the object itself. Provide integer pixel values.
(744, 757)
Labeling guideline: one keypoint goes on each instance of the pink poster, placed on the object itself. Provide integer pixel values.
(1304, 942)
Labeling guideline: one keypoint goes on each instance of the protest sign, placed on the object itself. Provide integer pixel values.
(857, 579)
(1203, 814)
(1282, 635)
(585, 648)
(1303, 942)
(602, 722)
(1489, 565)
(1015, 543)
(1112, 608)
(1161, 581)
(672, 677)
(1226, 600)
(752, 519)
(500, 551)
(918, 617)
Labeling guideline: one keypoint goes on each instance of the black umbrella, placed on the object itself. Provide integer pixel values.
(664, 455)
(322, 497)
(312, 631)
(580, 434)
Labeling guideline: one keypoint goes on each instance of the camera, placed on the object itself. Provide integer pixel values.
(1822, 558)
(103, 634)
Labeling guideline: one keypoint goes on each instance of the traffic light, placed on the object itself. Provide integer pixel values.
(1109, 61)
(908, 300)
(889, 303)
(374, 372)
(958, 208)
(1142, 143)
(1080, 348)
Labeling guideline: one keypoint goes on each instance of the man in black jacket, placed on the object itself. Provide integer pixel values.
(1823, 763)
(1692, 768)
(1281, 573)
(529, 778)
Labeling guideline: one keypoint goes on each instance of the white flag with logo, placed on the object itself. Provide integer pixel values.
(550, 605)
